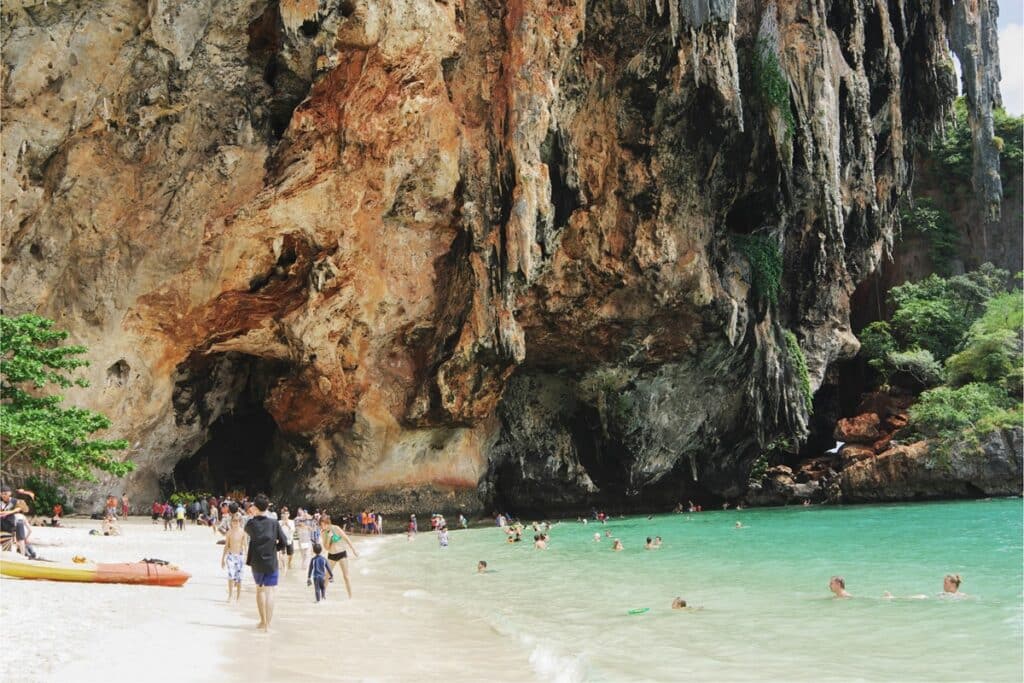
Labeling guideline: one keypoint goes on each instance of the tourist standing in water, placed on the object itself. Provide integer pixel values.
(334, 540)
(442, 537)
(838, 587)
(317, 573)
(233, 557)
(265, 540)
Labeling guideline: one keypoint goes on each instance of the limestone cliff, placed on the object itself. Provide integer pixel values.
(458, 252)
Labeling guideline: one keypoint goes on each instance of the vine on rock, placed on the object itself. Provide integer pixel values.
(799, 363)
(765, 264)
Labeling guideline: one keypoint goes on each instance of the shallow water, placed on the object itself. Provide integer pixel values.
(562, 614)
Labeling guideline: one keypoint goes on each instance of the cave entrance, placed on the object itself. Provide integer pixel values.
(238, 456)
(224, 396)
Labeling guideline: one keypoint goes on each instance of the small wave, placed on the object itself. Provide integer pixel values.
(418, 593)
(552, 666)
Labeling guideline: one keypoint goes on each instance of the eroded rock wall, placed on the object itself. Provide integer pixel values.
(487, 246)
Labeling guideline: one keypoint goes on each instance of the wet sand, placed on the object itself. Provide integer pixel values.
(111, 633)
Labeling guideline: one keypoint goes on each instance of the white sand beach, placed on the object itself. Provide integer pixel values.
(112, 633)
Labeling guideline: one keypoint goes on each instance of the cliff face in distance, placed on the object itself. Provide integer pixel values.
(434, 253)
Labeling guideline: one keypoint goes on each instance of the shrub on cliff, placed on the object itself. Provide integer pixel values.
(954, 151)
(993, 347)
(36, 433)
(946, 413)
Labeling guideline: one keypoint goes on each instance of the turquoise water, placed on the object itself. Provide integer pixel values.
(767, 613)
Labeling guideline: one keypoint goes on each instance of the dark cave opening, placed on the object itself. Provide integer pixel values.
(225, 395)
(238, 455)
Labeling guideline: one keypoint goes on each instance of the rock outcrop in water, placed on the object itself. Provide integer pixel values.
(418, 254)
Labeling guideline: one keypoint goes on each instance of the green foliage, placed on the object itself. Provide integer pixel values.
(35, 431)
(47, 495)
(935, 225)
(935, 313)
(993, 348)
(186, 497)
(954, 153)
(759, 469)
(918, 363)
(876, 341)
(771, 83)
(799, 364)
(945, 413)
(762, 252)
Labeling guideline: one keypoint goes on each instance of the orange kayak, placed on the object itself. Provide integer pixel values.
(146, 573)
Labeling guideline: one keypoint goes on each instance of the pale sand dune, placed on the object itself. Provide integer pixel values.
(111, 633)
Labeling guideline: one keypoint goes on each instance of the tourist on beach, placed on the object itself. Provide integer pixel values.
(9, 521)
(156, 511)
(303, 520)
(463, 522)
(110, 527)
(838, 587)
(125, 508)
(442, 537)
(334, 540)
(233, 557)
(168, 515)
(617, 545)
(317, 573)
(179, 515)
(288, 527)
(265, 540)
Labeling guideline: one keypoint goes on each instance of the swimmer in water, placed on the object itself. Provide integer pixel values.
(539, 542)
(657, 541)
(650, 544)
(597, 537)
(481, 567)
(951, 586)
(838, 586)
(608, 533)
(739, 525)
(617, 545)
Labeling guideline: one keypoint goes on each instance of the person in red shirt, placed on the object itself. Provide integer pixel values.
(157, 510)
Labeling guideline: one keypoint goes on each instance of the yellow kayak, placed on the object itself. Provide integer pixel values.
(147, 573)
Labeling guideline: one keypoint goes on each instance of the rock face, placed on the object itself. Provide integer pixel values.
(991, 467)
(419, 253)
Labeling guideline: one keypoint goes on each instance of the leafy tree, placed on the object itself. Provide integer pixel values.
(35, 431)
(955, 151)
(935, 313)
(918, 364)
(993, 348)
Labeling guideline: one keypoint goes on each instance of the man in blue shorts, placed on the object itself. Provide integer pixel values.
(266, 538)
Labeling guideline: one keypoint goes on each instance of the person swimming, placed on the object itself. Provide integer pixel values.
(739, 525)
(838, 586)
(657, 541)
(608, 533)
(597, 537)
(617, 545)
(951, 586)
(649, 545)
(481, 567)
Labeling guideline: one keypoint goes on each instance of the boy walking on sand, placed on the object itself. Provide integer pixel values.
(233, 558)
(318, 571)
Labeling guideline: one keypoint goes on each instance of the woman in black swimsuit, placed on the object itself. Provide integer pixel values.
(334, 539)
